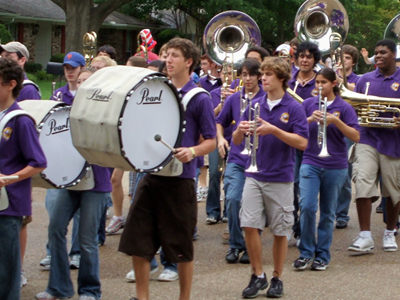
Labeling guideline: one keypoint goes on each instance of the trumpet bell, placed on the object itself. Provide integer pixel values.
(230, 32)
(324, 152)
(317, 20)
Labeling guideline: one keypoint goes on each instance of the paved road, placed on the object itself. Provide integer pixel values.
(372, 276)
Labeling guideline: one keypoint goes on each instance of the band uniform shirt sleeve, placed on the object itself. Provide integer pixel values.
(275, 159)
(199, 116)
(336, 143)
(19, 147)
(385, 140)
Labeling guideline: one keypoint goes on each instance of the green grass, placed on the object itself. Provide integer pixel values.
(46, 87)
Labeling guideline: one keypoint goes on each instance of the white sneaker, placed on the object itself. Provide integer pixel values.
(389, 243)
(24, 281)
(362, 244)
(74, 261)
(130, 277)
(168, 275)
(45, 262)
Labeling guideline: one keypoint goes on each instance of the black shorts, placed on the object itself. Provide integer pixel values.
(163, 213)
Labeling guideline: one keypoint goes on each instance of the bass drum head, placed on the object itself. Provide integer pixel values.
(65, 166)
(151, 108)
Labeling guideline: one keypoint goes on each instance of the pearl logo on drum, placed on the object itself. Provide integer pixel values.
(146, 99)
(98, 96)
(55, 129)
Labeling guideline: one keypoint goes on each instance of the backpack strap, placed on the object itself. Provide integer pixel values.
(11, 115)
(189, 95)
(27, 82)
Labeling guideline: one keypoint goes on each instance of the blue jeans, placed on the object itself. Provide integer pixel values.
(51, 197)
(233, 186)
(91, 205)
(328, 182)
(10, 257)
(344, 200)
(213, 205)
(167, 265)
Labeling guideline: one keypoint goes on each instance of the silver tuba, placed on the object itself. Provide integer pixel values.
(230, 33)
(392, 32)
(317, 21)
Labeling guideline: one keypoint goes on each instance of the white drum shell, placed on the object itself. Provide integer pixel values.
(96, 124)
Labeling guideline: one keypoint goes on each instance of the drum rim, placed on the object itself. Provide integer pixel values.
(182, 125)
(39, 127)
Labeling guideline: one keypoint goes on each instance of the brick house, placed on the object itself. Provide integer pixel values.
(40, 26)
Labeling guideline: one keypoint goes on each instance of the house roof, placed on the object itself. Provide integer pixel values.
(46, 10)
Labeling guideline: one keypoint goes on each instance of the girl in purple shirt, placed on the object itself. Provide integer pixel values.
(323, 175)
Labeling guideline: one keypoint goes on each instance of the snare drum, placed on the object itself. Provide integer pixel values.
(117, 113)
(65, 166)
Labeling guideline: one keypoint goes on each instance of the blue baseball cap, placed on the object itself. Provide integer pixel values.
(74, 59)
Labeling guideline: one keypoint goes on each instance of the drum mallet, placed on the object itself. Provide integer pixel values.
(158, 138)
(9, 177)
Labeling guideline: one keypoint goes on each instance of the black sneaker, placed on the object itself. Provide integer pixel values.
(319, 265)
(232, 256)
(275, 289)
(341, 224)
(244, 259)
(301, 263)
(255, 286)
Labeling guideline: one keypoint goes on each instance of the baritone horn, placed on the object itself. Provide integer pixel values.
(372, 111)
(89, 47)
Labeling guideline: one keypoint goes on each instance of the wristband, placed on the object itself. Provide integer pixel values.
(193, 152)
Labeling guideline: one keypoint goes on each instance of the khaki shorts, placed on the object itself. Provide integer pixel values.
(369, 164)
(267, 199)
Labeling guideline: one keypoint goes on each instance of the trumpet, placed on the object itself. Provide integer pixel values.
(254, 146)
(246, 101)
(322, 139)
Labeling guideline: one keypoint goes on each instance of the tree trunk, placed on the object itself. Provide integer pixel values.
(79, 20)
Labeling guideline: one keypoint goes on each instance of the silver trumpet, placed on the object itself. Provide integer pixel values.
(254, 146)
(322, 132)
(246, 101)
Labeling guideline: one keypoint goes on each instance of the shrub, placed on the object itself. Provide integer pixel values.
(5, 35)
(59, 57)
(31, 67)
(42, 75)
(31, 77)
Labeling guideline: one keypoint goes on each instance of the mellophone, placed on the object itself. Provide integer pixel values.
(113, 122)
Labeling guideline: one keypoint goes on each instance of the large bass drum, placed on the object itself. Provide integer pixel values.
(117, 113)
(66, 168)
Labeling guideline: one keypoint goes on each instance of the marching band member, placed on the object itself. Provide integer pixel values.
(378, 153)
(350, 54)
(20, 54)
(164, 211)
(234, 174)
(323, 176)
(64, 206)
(21, 155)
(269, 192)
(150, 42)
(303, 84)
(30, 90)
